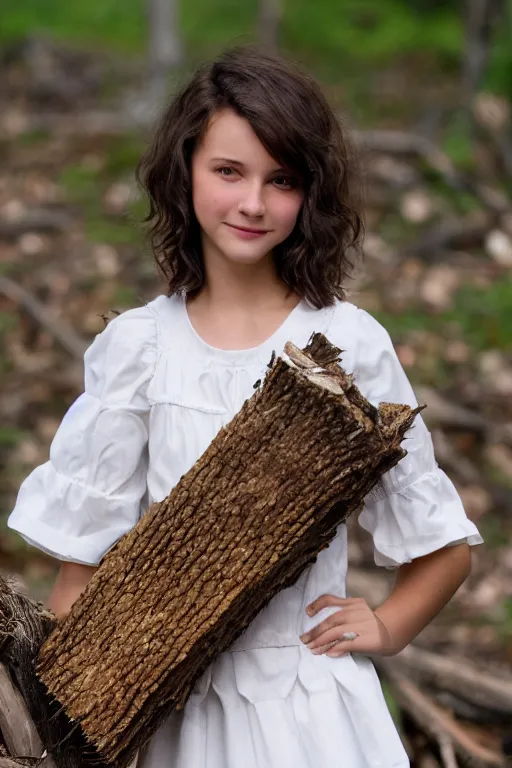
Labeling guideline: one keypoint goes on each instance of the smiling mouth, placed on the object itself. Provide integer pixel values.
(246, 229)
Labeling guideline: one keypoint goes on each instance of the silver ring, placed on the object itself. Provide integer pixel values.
(349, 635)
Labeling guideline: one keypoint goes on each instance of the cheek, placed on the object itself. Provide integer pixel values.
(211, 200)
(287, 209)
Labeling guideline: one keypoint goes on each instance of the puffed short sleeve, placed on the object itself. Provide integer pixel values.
(89, 493)
(415, 509)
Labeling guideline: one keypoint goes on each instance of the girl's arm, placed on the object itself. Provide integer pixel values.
(71, 581)
(422, 589)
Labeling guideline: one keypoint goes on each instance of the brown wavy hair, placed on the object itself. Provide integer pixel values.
(294, 122)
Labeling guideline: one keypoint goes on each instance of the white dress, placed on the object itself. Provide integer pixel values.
(155, 396)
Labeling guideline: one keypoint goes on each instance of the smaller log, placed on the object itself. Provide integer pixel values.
(451, 736)
(16, 726)
(460, 676)
(32, 724)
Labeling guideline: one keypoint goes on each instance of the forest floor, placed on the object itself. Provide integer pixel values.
(437, 272)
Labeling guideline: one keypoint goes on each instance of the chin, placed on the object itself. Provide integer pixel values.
(249, 260)
(245, 255)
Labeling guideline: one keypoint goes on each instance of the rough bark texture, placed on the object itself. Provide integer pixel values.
(31, 723)
(242, 524)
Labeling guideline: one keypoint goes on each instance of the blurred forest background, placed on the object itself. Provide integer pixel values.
(427, 87)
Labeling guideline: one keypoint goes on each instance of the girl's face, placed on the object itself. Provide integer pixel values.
(245, 203)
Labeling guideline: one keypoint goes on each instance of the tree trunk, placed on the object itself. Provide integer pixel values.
(481, 18)
(165, 48)
(269, 22)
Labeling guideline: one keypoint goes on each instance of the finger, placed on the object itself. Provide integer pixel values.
(359, 645)
(348, 615)
(335, 620)
(327, 601)
(340, 649)
(324, 648)
(332, 635)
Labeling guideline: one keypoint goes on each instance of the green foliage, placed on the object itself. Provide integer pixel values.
(7, 322)
(123, 154)
(480, 316)
(498, 77)
(85, 185)
(80, 182)
(122, 26)
(9, 436)
(392, 704)
(369, 30)
(208, 26)
(374, 29)
(346, 42)
(457, 142)
(401, 324)
(124, 296)
(507, 624)
(484, 315)
(502, 621)
(101, 229)
(33, 138)
(103, 22)
(493, 531)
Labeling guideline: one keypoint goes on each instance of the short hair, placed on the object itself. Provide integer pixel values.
(293, 120)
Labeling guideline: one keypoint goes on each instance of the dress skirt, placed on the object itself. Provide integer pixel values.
(281, 708)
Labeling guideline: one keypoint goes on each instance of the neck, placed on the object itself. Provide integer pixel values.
(244, 286)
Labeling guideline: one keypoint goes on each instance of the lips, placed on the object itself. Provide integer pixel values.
(252, 231)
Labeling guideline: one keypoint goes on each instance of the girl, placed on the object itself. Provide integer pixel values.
(252, 215)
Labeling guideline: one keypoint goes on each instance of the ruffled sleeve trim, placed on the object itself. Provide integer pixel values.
(89, 494)
(415, 509)
(421, 518)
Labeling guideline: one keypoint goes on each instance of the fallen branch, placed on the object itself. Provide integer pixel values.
(437, 723)
(457, 675)
(451, 235)
(404, 144)
(443, 413)
(35, 220)
(66, 337)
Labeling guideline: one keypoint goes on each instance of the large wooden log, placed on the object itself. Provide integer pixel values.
(242, 524)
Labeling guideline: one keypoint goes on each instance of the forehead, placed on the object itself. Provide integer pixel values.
(231, 136)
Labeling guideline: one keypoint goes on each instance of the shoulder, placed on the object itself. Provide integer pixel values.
(127, 346)
(359, 335)
(131, 328)
(369, 354)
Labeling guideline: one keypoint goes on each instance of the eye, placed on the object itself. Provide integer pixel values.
(230, 171)
(285, 182)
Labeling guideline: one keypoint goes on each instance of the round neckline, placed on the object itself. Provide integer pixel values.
(260, 353)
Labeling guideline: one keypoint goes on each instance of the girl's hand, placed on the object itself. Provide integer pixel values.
(354, 616)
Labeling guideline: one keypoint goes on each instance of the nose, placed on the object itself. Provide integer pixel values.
(252, 203)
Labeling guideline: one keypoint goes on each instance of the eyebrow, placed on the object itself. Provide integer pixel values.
(238, 162)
